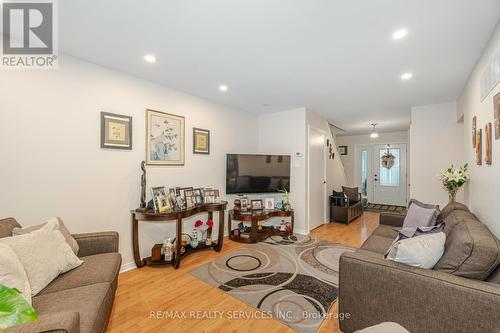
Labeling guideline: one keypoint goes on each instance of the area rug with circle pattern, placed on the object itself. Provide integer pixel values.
(293, 278)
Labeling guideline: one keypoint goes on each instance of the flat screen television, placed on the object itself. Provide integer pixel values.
(253, 173)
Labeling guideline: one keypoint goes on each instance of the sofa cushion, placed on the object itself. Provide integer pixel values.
(7, 225)
(95, 269)
(386, 231)
(471, 250)
(377, 244)
(351, 192)
(93, 302)
(494, 276)
(453, 206)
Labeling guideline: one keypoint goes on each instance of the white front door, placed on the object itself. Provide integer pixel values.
(317, 178)
(389, 183)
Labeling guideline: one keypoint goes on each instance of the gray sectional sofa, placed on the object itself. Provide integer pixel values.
(79, 301)
(460, 294)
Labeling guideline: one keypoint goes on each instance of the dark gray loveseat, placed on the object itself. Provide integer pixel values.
(461, 293)
(79, 301)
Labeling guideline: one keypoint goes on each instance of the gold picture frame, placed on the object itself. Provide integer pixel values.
(163, 203)
(165, 142)
(201, 141)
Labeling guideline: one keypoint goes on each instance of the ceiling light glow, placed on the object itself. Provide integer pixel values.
(150, 58)
(406, 76)
(399, 34)
(223, 88)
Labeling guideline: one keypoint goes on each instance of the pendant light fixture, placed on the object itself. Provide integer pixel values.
(374, 133)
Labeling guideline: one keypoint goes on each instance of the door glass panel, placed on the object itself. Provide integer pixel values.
(389, 177)
(364, 172)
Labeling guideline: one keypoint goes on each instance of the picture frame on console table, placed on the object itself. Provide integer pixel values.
(156, 193)
(257, 204)
(165, 142)
(269, 204)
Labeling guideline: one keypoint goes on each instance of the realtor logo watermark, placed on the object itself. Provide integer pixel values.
(29, 34)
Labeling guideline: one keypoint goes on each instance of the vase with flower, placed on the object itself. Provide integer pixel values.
(210, 224)
(453, 179)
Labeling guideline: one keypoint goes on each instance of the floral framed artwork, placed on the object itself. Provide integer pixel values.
(201, 141)
(164, 138)
(116, 131)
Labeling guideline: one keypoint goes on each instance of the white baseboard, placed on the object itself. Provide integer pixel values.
(300, 231)
(128, 267)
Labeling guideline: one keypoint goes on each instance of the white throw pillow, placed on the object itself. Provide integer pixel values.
(12, 272)
(421, 251)
(44, 254)
(60, 226)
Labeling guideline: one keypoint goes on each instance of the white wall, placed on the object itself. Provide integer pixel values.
(351, 141)
(483, 190)
(436, 143)
(335, 173)
(285, 133)
(51, 163)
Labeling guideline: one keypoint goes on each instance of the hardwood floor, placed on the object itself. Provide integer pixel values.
(143, 292)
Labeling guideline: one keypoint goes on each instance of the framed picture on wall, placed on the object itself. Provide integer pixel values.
(474, 128)
(116, 131)
(479, 148)
(201, 141)
(164, 138)
(487, 143)
(496, 102)
(343, 150)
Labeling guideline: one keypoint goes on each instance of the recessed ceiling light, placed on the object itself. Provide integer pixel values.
(150, 58)
(399, 34)
(406, 76)
(223, 88)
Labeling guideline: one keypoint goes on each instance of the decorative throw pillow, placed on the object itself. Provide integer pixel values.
(351, 192)
(60, 226)
(12, 272)
(44, 254)
(437, 217)
(420, 251)
(418, 217)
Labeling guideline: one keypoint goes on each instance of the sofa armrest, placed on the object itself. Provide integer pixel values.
(97, 242)
(373, 290)
(393, 220)
(59, 322)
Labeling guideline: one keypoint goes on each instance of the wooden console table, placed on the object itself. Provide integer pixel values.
(255, 217)
(176, 216)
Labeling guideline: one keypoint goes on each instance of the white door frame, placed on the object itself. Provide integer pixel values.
(309, 127)
(357, 165)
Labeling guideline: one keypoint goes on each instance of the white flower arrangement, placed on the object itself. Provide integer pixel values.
(453, 179)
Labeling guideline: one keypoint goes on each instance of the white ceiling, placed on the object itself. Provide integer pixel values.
(335, 57)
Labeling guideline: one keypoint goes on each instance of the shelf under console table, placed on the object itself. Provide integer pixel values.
(256, 217)
(176, 216)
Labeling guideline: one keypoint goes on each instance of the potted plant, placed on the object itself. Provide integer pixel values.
(453, 179)
(286, 201)
(14, 309)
